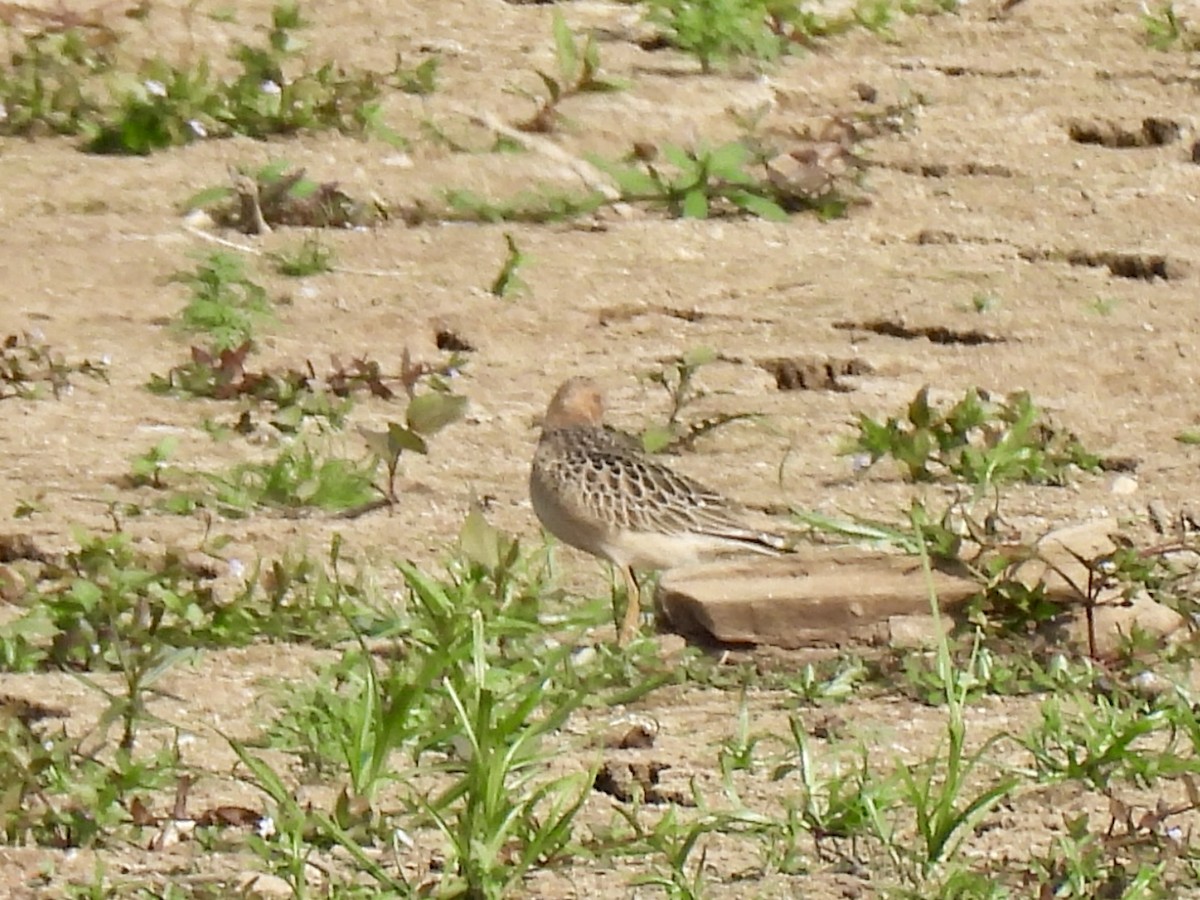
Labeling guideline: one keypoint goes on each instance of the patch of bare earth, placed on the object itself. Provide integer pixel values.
(1026, 173)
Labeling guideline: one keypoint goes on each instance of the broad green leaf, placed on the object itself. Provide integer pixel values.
(699, 356)
(207, 197)
(656, 438)
(633, 183)
(679, 157)
(401, 439)
(479, 540)
(272, 171)
(759, 206)
(430, 413)
(728, 160)
(695, 205)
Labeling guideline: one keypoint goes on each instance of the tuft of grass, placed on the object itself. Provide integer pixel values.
(297, 477)
(311, 257)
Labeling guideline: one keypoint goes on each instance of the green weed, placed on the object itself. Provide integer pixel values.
(296, 477)
(717, 31)
(311, 257)
(150, 468)
(1164, 29)
(578, 73)
(507, 282)
(980, 441)
(677, 379)
(225, 304)
(170, 105)
(28, 364)
(701, 182)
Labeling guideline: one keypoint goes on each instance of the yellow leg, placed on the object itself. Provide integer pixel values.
(633, 609)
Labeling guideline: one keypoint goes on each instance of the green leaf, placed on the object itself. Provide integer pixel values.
(698, 356)
(552, 87)
(207, 197)
(758, 206)
(677, 156)
(728, 161)
(656, 438)
(695, 205)
(919, 412)
(401, 439)
(479, 540)
(633, 182)
(272, 171)
(564, 46)
(430, 413)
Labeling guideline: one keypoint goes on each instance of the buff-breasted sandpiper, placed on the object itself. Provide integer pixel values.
(594, 489)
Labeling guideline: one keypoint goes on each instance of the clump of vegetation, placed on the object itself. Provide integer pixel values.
(226, 305)
(278, 195)
(86, 81)
(741, 177)
(297, 477)
(294, 395)
(28, 365)
(677, 379)
(717, 32)
(978, 440)
(311, 257)
(1165, 29)
(578, 73)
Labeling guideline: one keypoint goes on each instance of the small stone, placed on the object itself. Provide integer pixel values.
(263, 886)
(444, 46)
(1124, 485)
(12, 584)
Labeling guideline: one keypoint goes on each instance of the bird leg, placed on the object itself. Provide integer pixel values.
(633, 608)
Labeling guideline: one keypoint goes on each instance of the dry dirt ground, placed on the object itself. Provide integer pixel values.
(1086, 254)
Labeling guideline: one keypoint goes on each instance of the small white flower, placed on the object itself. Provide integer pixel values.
(265, 827)
(155, 88)
(198, 127)
(270, 87)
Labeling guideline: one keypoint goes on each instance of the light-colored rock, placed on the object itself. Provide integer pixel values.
(821, 596)
(1116, 620)
(844, 596)
(263, 886)
(1124, 485)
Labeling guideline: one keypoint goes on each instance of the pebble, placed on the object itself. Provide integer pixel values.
(1124, 485)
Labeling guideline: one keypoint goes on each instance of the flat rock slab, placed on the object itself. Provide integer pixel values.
(821, 596)
(845, 596)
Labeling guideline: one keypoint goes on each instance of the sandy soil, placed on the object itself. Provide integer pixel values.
(983, 193)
